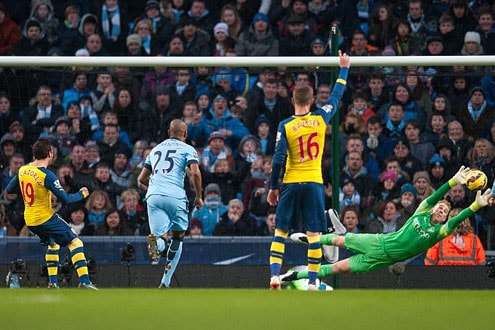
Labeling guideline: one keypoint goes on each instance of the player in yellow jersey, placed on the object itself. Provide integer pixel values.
(36, 184)
(301, 138)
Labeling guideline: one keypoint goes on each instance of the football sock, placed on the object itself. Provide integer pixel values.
(52, 261)
(161, 244)
(327, 239)
(325, 270)
(78, 258)
(314, 257)
(277, 250)
(173, 257)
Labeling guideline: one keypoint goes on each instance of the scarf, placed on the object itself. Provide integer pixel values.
(476, 113)
(44, 112)
(88, 111)
(270, 104)
(415, 25)
(110, 22)
(146, 41)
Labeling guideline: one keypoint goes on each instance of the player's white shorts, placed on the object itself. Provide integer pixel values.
(167, 213)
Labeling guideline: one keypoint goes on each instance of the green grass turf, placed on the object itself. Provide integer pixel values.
(246, 309)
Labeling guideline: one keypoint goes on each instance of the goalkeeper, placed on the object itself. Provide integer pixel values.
(422, 230)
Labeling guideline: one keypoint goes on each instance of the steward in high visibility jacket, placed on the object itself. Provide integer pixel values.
(462, 248)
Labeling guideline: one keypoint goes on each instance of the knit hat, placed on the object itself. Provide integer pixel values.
(152, 4)
(216, 135)
(219, 97)
(345, 180)
(421, 175)
(408, 187)
(402, 140)
(434, 37)
(163, 89)
(134, 39)
(212, 187)
(60, 120)
(195, 222)
(472, 36)
(317, 41)
(221, 27)
(7, 137)
(33, 22)
(437, 160)
(476, 89)
(389, 175)
(295, 19)
(82, 52)
(388, 51)
(15, 126)
(262, 119)
(260, 16)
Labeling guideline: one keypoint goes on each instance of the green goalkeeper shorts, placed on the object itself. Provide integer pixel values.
(369, 252)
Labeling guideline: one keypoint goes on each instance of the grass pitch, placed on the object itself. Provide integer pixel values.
(246, 309)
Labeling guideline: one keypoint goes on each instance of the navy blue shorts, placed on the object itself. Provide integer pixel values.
(55, 230)
(304, 201)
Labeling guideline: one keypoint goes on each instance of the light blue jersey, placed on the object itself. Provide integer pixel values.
(167, 163)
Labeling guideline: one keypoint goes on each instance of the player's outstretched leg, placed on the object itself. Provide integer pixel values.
(52, 261)
(325, 270)
(173, 256)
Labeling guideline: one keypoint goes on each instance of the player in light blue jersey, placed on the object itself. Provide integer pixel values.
(163, 174)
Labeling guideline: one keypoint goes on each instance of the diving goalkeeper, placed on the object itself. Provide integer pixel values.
(422, 230)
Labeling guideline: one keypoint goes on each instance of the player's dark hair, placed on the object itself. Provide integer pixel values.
(41, 148)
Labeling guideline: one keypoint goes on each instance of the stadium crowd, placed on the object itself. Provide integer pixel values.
(403, 132)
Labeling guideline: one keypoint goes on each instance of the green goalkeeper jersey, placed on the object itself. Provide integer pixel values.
(418, 234)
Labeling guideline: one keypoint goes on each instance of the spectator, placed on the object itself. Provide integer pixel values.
(113, 225)
(61, 136)
(41, 116)
(461, 248)
(267, 228)
(235, 222)
(163, 110)
(388, 189)
(103, 181)
(212, 210)
(42, 11)
(258, 205)
(195, 229)
(114, 21)
(200, 14)
(360, 106)
(221, 40)
(129, 117)
(451, 44)
(376, 91)
(77, 216)
(297, 41)
(10, 169)
(381, 26)
(348, 195)
(11, 32)
(124, 77)
(360, 47)
(80, 127)
(258, 39)
(32, 42)
(230, 16)
(265, 138)
(94, 46)
(355, 143)
(408, 201)
(488, 86)
(280, 15)
(482, 157)
(274, 107)
(91, 154)
(21, 146)
(408, 162)
(419, 147)
(175, 46)
(182, 87)
(441, 104)
(349, 216)
(464, 19)
(403, 44)
(387, 221)
(421, 24)
(103, 97)
(436, 170)
(475, 116)
(159, 76)
(486, 29)
(164, 23)
(111, 118)
(354, 168)
(79, 89)
(75, 37)
(202, 80)
(231, 81)
(150, 42)
(7, 114)
(133, 214)
(377, 145)
(134, 46)
(98, 205)
(219, 119)
(394, 122)
(418, 91)
(422, 183)
(120, 172)
(110, 143)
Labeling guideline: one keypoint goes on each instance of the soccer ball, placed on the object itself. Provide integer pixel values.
(476, 180)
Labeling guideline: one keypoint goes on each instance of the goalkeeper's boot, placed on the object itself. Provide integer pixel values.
(299, 238)
(153, 249)
(275, 282)
(289, 276)
(89, 286)
(333, 219)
